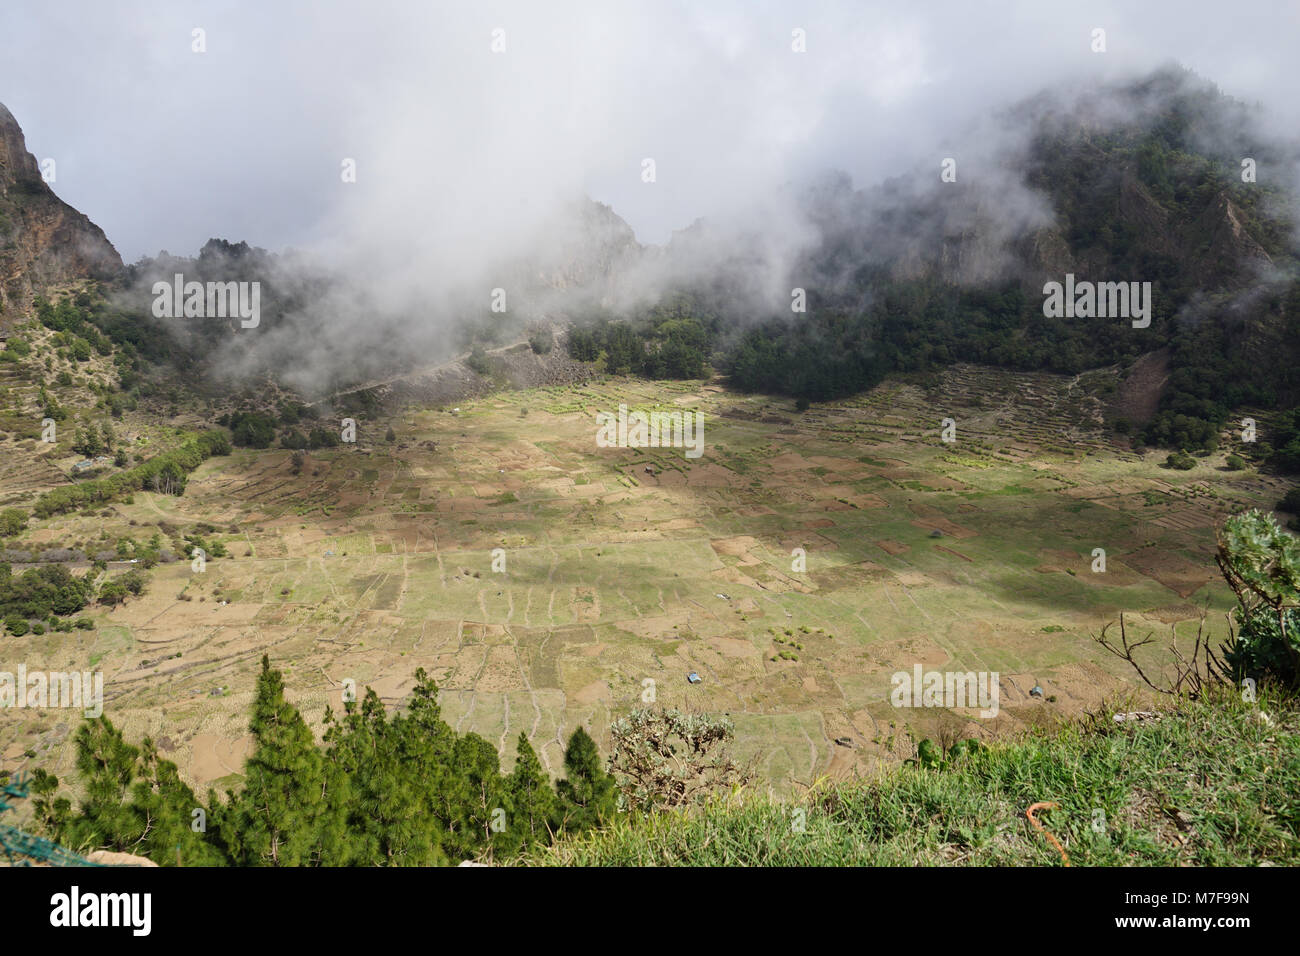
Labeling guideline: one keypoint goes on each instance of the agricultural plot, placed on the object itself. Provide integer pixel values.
(546, 582)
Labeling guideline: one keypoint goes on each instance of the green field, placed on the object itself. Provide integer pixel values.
(378, 559)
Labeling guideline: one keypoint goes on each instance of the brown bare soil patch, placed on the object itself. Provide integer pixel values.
(737, 547)
(594, 692)
(784, 464)
(1139, 394)
(734, 647)
(656, 627)
(1172, 570)
(710, 476)
(216, 757)
(808, 540)
(942, 483)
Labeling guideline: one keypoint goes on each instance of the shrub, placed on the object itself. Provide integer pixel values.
(323, 438)
(113, 592)
(133, 581)
(1259, 649)
(252, 429)
(42, 592)
(669, 758)
(293, 439)
(13, 521)
(478, 361)
(1261, 563)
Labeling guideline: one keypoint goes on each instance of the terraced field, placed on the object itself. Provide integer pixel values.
(629, 566)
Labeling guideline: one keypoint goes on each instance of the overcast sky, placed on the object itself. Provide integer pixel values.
(165, 147)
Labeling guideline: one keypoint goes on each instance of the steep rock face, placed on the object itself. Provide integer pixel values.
(588, 245)
(967, 242)
(1211, 246)
(1220, 244)
(43, 240)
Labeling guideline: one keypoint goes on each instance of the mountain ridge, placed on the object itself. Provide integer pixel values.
(43, 240)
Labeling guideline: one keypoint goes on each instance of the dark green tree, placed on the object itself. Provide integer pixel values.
(383, 766)
(482, 817)
(588, 793)
(134, 802)
(280, 818)
(533, 804)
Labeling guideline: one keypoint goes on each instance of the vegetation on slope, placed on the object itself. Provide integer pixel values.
(1147, 200)
(1212, 779)
(1213, 782)
(379, 790)
(165, 473)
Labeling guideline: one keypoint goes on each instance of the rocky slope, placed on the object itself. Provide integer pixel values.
(43, 240)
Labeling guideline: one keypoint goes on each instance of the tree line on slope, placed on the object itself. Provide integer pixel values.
(379, 790)
(166, 473)
(1233, 337)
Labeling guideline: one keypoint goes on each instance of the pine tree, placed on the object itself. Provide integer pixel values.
(442, 783)
(479, 795)
(400, 790)
(107, 765)
(282, 813)
(533, 805)
(425, 713)
(385, 766)
(135, 802)
(588, 794)
(165, 806)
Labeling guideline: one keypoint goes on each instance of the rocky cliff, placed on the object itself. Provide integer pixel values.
(43, 240)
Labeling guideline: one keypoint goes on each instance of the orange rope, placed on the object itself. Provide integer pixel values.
(1039, 827)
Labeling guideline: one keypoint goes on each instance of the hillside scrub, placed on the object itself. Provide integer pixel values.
(1214, 782)
(42, 593)
(164, 473)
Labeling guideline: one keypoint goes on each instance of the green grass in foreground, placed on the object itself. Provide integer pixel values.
(1212, 783)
